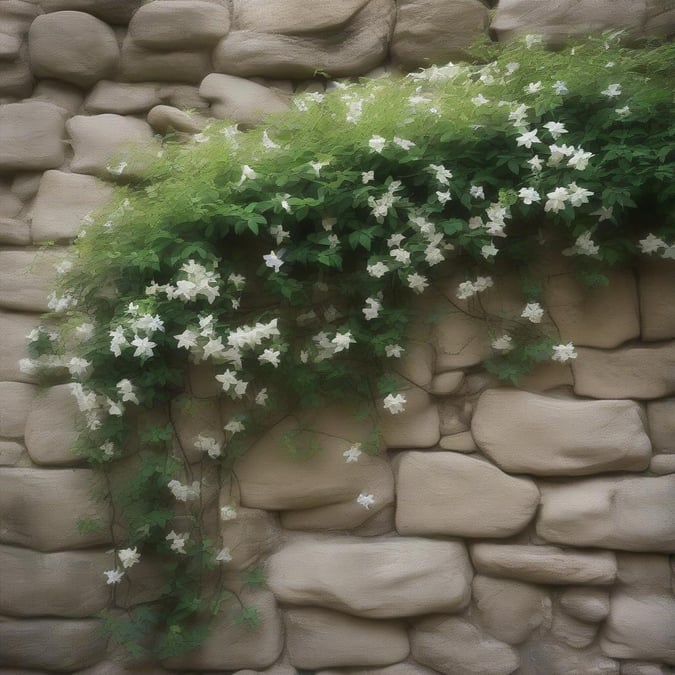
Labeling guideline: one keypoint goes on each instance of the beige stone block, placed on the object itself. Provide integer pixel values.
(14, 327)
(406, 668)
(64, 644)
(660, 20)
(66, 96)
(14, 232)
(17, 15)
(10, 204)
(644, 572)
(165, 119)
(547, 376)
(62, 203)
(66, 584)
(183, 96)
(550, 656)
(632, 514)
(640, 627)
(545, 564)
(444, 493)
(122, 98)
(552, 436)
(15, 403)
(585, 604)
(380, 523)
(657, 298)
(406, 576)
(459, 340)
(72, 46)
(461, 442)
(16, 78)
(509, 610)
(194, 417)
(571, 631)
(320, 638)
(643, 668)
(10, 453)
(455, 647)
(446, 383)
(10, 46)
(661, 416)
(31, 136)
(662, 465)
(42, 507)
(249, 536)
(435, 31)
(417, 426)
(25, 184)
(453, 417)
(641, 372)
(179, 24)
(111, 11)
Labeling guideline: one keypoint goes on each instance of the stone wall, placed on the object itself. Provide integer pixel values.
(509, 531)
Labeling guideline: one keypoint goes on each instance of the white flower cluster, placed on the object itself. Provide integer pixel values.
(185, 493)
(468, 289)
(653, 244)
(196, 280)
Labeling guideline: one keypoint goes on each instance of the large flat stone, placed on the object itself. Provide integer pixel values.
(321, 638)
(548, 436)
(459, 340)
(15, 403)
(585, 604)
(549, 655)
(31, 136)
(14, 327)
(145, 65)
(449, 494)
(418, 426)
(657, 299)
(11, 453)
(406, 577)
(631, 514)
(122, 98)
(249, 536)
(16, 78)
(661, 415)
(545, 564)
(632, 372)
(67, 584)
(111, 11)
(42, 507)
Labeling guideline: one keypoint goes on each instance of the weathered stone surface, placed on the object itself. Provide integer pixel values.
(10, 453)
(122, 98)
(10, 204)
(239, 99)
(25, 184)
(461, 442)
(416, 427)
(62, 202)
(661, 416)
(631, 372)
(547, 656)
(194, 417)
(250, 535)
(640, 627)
(68, 584)
(183, 96)
(230, 646)
(166, 119)
(662, 464)
(17, 15)
(644, 668)
(647, 573)
(556, 21)
(179, 24)
(10, 46)
(529, 433)
(435, 31)
(547, 376)
(380, 523)
(459, 340)
(66, 96)
(65, 644)
(450, 494)
(406, 668)
(16, 78)
(417, 364)
(571, 631)
(446, 383)
(353, 48)
(15, 402)
(31, 136)
(659, 20)
(453, 646)
(111, 11)
(14, 327)
(545, 564)
(453, 417)
(405, 577)
(632, 514)
(143, 65)
(586, 604)
(509, 610)
(42, 507)
(72, 46)
(657, 299)
(99, 140)
(319, 638)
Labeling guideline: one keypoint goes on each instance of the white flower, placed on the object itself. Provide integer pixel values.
(403, 143)
(247, 173)
(443, 197)
(400, 255)
(128, 557)
(483, 283)
(261, 397)
(556, 129)
(532, 40)
(342, 341)
(442, 174)
(584, 245)
(367, 176)
(560, 88)
(78, 367)
(533, 312)
(184, 493)
(503, 343)
(228, 379)
(519, 115)
(209, 445)
(268, 142)
(393, 351)
(527, 138)
(433, 255)
(477, 192)
(535, 164)
(317, 166)
(187, 339)
(85, 331)
(612, 91)
(556, 200)
(533, 87)
(377, 269)
(578, 195)
(622, 112)
(417, 282)
(651, 244)
(113, 576)
(489, 250)
(395, 404)
(108, 448)
(270, 356)
(479, 100)
(377, 143)
(365, 500)
(558, 152)
(372, 310)
(224, 555)
(143, 346)
(273, 260)
(529, 195)
(178, 541)
(564, 353)
(126, 391)
(511, 67)
(352, 454)
(579, 160)
(228, 512)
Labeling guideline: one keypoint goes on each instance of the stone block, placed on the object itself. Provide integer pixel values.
(110, 11)
(74, 47)
(31, 136)
(545, 564)
(632, 514)
(550, 656)
(122, 98)
(446, 384)
(249, 536)
(570, 631)
(418, 426)
(662, 465)
(66, 96)
(42, 508)
(444, 493)
(25, 184)
(585, 604)
(406, 576)
(10, 204)
(461, 442)
(183, 96)
(321, 638)
(10, 46)
(460, 341)
(14, 327)
(660, 20)
(67, 584)
(661, 416)
(405, 668)
(11, 453)
(16, 78)
(15, 402)
(143, 65)
(165, 119)
(552, 436)
(14, 232)
(657, 298)
(646, 573)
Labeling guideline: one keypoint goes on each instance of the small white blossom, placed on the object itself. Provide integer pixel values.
(564, 353)
(556, 129)
(533, 312)
(353, 453)
(372, 309)
(178, 541)
(261, 397)
(403, 143)
(503, 343)
(228, 512)
(184, 493)
(442, 174)
(417, 282)
(400, 255)
(365, 500)
(443, 197)
(477, 192)
(489, 251)
(535, 164)
(317, 166)
(622, 112)
(187, 339)
(651, 244)
(143, 346)
(393, 351)
(367, 177)
(128, 557)
(224, 555)
(533, 87)
(273, 260)
(579, 160)
(270, 356)
(560, 88)
(479, 100)
(113, 576)
(584, 245)
(377, 270)
(342, 341)
(529, 195)
(612, 91)
(247, 173)
(527, 138)
(126, 390)
(556, 200)
(78, 367)
(578, 195)
(209, 445)
(394, 403)
(377, 143)
(268, 142)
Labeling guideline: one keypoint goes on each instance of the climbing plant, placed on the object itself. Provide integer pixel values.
(288, 261)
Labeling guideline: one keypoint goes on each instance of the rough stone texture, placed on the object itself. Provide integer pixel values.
(632, 372)
(72, 46)
(353, 49)
(14, 327)
(179, 24)
(66, 96)
(640, 627)
(662, 464)
(194, 416)
(633, 514)
(405, 577)
(122, 98)
(546, 436)
(450, 494)
(407, 668)
(112, 11)
(16, 78)
(644, 572)
(15, 402)
(661, 416)
(14, 232)
(183, 96)
(99, 140)
(571, 631)
(446, 383)
(319, 638)
(453, 646)
(644, 668)
(143, 65)
(31, 136)
(546, 656)
(41, 508)
(436, 31)
(459, 340)
(51, 427)
(461, 442)
(69, 584)
(657, 299)
(250, 535)
(660, 18)
(545, 564)
(558, 20)
(509, 610)
(56, 639)
(166, 119)
(239, 99)
(416, 427)
(10, 453)
(585, 604)
(62, 202)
